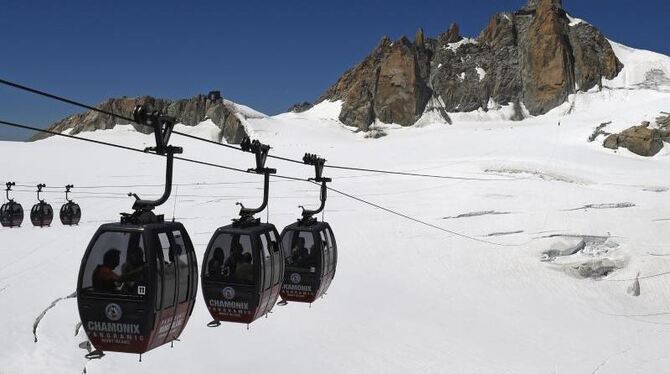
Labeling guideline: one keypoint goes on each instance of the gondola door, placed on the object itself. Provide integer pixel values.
(271, 271)
(165, 300)
(332, 258)
(277, 266)
(186, 272)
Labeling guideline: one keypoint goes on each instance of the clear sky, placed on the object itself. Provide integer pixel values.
(265, 54)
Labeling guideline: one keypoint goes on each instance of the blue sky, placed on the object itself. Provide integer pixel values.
(265, 54)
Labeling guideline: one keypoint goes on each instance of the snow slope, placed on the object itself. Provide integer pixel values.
(406, 297)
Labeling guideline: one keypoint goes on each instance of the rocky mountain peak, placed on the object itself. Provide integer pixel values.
(533, 58)
(189, 112)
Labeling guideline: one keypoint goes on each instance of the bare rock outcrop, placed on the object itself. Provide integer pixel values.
(548, 66)
(190, 112)
(641, 140)
(534, 57)
(300, 107)
(594, 57)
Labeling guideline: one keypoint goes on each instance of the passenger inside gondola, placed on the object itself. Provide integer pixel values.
(299, 253)
(244, 271)
(104, 277)
(132, 272)
(231, 260)
(215, 265)
(230, 265)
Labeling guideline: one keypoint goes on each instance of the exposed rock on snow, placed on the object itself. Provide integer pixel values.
(599, 131)
(226, 115)
(594, 57)
(300, 107)
(641, 140)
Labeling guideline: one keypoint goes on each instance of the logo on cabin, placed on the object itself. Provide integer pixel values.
(295, 278)
(113, 312)
(228, 293)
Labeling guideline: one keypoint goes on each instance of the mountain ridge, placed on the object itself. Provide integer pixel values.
(533, 58)
(408, 82)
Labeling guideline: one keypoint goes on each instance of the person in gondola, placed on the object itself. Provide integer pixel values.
(104, 277)
(312, 258)
(132, 272)
(300, 254)
(215, 265)
(245, 270)
(230, 265)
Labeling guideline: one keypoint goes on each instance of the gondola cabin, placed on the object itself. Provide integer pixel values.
(242, 272)
(11, 214)
(137, 286)
(70, 212)
(310, 254)
(42, 213)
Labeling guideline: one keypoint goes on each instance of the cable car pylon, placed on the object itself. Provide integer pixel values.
(11, 212)
(243, 264)
(310, 247)
(145, 302)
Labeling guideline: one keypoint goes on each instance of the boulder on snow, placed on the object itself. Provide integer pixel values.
(641, 140)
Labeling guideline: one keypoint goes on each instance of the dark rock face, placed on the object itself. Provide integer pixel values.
(641, 140)
(187, 111)
(548, 75)
(594, 58)
(531, 58)
(401, 93)
(300, 107)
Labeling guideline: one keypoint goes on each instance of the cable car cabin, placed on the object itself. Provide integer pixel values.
(11, 214)
(137, 286)
(311, 258)
(242, 272)
(41, 214)
(70, 214)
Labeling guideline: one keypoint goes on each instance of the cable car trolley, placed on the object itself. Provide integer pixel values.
(70, 212)
(11, 212)
(309, 248)
(243, 265)
(138, 278)
(42, 213)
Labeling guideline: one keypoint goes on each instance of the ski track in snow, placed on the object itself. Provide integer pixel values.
(38, 319)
